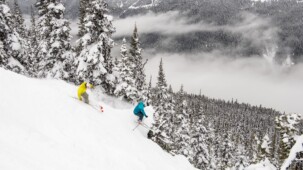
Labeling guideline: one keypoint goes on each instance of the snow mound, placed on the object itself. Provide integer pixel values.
(42, 126)
(263, 165)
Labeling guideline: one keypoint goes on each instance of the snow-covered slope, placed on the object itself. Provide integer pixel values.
(43, 127)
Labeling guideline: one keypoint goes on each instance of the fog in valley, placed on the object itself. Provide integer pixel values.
(258, 80)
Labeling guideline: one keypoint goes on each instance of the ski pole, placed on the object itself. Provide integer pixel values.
(146, 127)
(136, 127)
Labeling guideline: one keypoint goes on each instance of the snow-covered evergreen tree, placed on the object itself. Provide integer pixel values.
(181, 124)
(82, 10)
(12, 46)
(33, 45)
(274, 157)
(58, 61)
(19, 20)
(286, 125)
(255, 149)
(95, 62)
(199, 154)
(227, 159)
(150, 92)
(53, 56)
(164, 111)
(126, 88)
(242, 159)
(42, 5)
(3, 56)
(138, 69)
(265, 148)
(211, 138)
(43, 29)
(294, 160)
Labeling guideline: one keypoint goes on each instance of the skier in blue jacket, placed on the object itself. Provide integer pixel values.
(139, 111)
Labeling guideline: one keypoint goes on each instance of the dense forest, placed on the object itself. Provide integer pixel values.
(218, 134)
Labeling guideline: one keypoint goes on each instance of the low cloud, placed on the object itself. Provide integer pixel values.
(170, 23)
(259, 31)
(250, 80)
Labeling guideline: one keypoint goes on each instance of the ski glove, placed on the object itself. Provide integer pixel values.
(146, 116)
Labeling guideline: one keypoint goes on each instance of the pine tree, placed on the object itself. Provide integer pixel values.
(150, 96)
(19, 20)
(58, 61)
(138, 67)
(164, 111)
(227, 152)
(161, 77)
(255, 149)
(32, 31)
(43, 28)
(13, 47)
(241, 157)
(199, 154)
(181, 123)
(127, 87)
(4, 19)
(170, 89)
(42, 5)
(274, 157)
(95, 62)
(286, 125)
(211, 140)
(3, 56)
(265, 149)
(82, 10)
(53, 55)
(33, 45)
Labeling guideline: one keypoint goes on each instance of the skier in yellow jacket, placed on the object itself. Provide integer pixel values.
(82, 91)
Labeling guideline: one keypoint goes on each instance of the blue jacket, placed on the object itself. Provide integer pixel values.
(140, 108)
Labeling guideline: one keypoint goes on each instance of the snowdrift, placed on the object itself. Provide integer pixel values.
(43, 127)
(263, 165)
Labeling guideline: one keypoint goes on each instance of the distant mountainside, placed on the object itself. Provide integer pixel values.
(70, 6)
(282, 25)
(118, 7)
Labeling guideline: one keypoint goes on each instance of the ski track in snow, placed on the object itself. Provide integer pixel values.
(43, 127)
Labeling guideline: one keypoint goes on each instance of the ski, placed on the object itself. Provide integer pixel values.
(143, 125)
(96, 107)
(100, 109)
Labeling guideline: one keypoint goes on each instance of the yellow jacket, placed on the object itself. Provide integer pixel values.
(82, 89)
